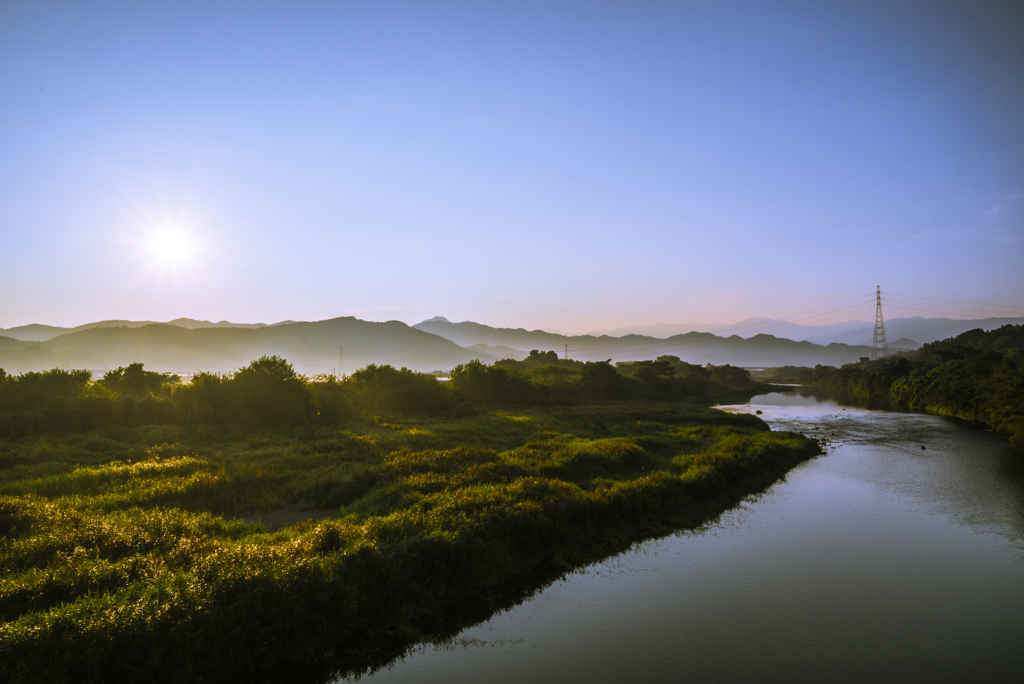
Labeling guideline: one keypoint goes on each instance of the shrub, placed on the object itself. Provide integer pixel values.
(383, 388)
(491, 385)
(333, 402)
(600, 380)
(269, 392)
(203, 401)
(136, 380)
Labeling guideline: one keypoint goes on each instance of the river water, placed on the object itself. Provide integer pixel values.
(880, 560)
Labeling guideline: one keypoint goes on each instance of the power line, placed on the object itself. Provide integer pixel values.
(952, 307)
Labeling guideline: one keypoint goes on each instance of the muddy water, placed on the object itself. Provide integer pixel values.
(881, 560)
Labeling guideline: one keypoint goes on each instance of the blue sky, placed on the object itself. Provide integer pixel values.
(576, 166)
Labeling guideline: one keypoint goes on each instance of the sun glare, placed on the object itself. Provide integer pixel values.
(172, 248)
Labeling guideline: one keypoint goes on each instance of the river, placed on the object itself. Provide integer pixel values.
(896, 556)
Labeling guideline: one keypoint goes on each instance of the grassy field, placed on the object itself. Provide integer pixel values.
(162, 553)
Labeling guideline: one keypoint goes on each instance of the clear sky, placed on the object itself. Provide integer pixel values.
(575, 166)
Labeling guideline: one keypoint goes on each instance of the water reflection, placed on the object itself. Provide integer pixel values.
(879, 560)
(971, 474)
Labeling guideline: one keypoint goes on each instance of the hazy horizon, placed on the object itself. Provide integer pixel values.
(226, 322)
(555, 166)
(813, 319)
(743, 328)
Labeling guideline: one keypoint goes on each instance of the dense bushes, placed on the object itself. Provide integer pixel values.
(136, 380)
(492, 385)
(333, 403)
(384, 388)
(976, 376)
(55, 401)
(205, 400)
(269, 393)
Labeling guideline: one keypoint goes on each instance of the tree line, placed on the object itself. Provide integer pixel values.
(976, 376)
(270, 393)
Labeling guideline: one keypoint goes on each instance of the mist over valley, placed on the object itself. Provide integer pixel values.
(343, 345)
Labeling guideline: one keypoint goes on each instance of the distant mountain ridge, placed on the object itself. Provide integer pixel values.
(921, 330)
(917, 329)
(40, 333)
(347, 344)
(903, 344)
(745, 328)
(693, 347)
(333, 345)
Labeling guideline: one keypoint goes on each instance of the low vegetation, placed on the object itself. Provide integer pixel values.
(248, 527)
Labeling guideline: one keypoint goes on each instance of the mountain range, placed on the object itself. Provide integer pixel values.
(40, 333)
(336, 345)
(342, 345)
(745, 328)
(921, 330)
(693, 347)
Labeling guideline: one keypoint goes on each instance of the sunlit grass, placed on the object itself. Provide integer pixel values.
(126, 555)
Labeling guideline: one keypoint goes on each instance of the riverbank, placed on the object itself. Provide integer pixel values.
(124, 558)
(977, 377)
(831, 575)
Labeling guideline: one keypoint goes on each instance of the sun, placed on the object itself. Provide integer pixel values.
(172, 247)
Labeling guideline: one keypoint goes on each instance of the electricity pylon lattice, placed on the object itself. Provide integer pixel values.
(879, 348)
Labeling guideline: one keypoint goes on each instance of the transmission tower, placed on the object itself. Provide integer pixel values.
(879, 348)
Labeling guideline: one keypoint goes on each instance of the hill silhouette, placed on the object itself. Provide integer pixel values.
(857, 333)
(918, 329)
(311, 347)
(693, 347)
(185, 345)
(41, 333)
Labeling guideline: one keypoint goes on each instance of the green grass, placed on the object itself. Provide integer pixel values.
(124, 556)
